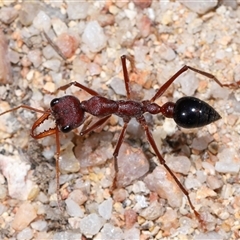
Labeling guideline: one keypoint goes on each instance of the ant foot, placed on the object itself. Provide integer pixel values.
(114, 186)
(235, 85)
(201, 221)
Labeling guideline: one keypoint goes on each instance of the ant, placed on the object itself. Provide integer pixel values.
(68, 112)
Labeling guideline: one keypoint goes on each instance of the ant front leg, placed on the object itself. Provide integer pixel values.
(23, 106)
(44, 134)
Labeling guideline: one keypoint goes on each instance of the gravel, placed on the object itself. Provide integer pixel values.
(45, 45)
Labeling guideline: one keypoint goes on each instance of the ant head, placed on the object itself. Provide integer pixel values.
(67, 112)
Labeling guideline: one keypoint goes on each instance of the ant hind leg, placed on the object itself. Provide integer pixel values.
(115, 154)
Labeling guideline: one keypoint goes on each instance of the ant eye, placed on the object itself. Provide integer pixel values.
(66, 129)
(54, 102)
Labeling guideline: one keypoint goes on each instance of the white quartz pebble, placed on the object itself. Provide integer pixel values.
(94, 37)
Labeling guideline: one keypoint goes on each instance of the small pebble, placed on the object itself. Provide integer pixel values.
(153, 211)
(14, 57)
(227, 162)
(73, 209)
(180, 164)
(189, 83)
(28, 12)
(201, 143)
(42, 21)
(105, 209)
(161, 182)
(26, 234)
(130, 217)
(144, 26)
(94, 69)
(3, 192)
(111, 232)
(91, 224)
(70, 234)
(16, 173)
(68, 162)
(133, 233)
(204, 192)
(227, 191)
(5, 68)
(118, 86)
(200, 7)
(8, 14)
(78, 196)
(119, 195)
(2, 209)
(53, 64)
(77, 10)
(67, 44)
(214, 183)
(140, 187)
(59, 26)
(132, 164)
(142, 3)
(167, 53)
(192, 183)
(94, 37)
(49, 53)
(141, 202)
(24, 216)
(39, 225)
(35, 56)
(169, 220)
(95, 150)
(209, 235)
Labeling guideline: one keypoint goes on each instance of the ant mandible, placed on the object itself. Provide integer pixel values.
(68, 112)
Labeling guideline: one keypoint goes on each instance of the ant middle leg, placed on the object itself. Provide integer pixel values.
(79, 85)
(125, 72)
(95, 125)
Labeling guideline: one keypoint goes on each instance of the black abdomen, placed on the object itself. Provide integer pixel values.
(190, 112)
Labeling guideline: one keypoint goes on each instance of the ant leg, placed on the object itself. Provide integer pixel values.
(116, 151)
(58, 168)
(45, 134)
(166, 85)
(49, 132)
(23, 106)
(55, 47)
(95, 125)
(209, 75)
(234, 85)
(79, 85)
(125, 72)
(143, 123)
